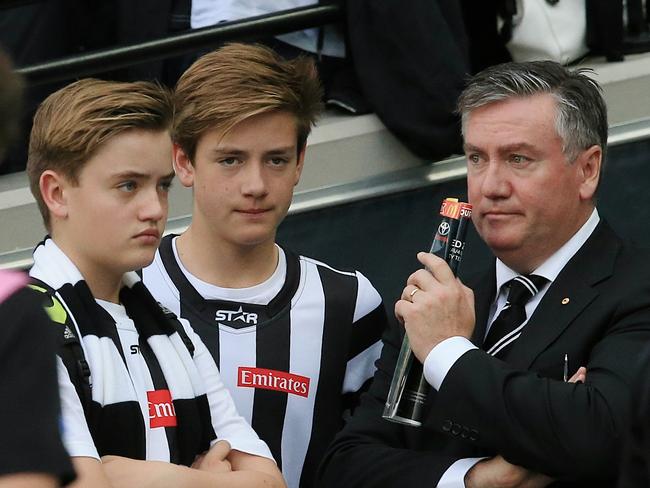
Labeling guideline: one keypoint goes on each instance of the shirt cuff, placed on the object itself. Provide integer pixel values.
(454, 477)
(442, 357)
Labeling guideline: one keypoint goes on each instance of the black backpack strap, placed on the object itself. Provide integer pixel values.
(68, 346)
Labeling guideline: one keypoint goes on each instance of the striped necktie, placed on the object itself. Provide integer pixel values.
(507, 327)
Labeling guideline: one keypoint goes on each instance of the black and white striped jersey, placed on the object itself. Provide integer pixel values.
(155, 403)
(293, 351)
(152, 394)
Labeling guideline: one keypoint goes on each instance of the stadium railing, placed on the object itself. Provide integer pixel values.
(251, 28)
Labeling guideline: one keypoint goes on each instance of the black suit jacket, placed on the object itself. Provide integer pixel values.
(635, 466)
(597, 311)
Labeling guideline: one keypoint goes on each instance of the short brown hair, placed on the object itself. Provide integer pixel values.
(72, 123)
(238, 81)
(11, 90)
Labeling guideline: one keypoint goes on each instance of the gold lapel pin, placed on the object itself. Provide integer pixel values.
(565, 300)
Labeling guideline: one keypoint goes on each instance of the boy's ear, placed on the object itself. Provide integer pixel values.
(53, 187)
(183, 166)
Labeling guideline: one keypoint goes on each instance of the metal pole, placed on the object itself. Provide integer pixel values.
(114, 58)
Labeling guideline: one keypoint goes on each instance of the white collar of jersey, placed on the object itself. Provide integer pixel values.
(260, 294)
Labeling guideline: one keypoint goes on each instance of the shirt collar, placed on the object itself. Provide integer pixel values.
(550, 268)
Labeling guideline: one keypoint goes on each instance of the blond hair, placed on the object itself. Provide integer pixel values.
(72, 124)
(238, 81)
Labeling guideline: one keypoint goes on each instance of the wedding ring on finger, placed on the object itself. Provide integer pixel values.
(413, 292)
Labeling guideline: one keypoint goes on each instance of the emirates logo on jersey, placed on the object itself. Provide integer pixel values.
(270, 379)
(161, 409)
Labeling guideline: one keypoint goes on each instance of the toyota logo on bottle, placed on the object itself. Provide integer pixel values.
(443, 228)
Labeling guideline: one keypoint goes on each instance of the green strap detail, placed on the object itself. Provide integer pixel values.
(56, 311)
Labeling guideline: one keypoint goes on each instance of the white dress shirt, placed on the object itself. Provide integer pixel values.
(443, 356)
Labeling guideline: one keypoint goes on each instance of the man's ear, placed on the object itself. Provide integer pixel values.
(183, 166)
(590, 161)
(300, 164)
(54, 187)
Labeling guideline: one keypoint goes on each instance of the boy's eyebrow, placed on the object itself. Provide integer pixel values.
(130, 174)
(282, 150)
(227, 150)
(235, 151)
(138, 175)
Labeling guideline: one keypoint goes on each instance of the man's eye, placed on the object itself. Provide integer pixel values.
(473, 158)
(519, 159)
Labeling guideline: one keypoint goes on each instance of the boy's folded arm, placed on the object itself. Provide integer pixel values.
(124, 472)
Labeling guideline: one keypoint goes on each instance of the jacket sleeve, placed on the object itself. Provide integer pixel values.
(536, 420)
(370, 451)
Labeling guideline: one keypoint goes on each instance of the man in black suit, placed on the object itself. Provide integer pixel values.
(501, 412)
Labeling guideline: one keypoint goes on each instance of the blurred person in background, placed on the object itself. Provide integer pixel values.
(31, 452)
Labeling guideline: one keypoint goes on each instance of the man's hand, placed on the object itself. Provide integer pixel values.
(441, 307)
(499, 473)
(579, 376)
(215, 460)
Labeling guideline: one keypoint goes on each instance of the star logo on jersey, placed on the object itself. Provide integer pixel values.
(235, 316)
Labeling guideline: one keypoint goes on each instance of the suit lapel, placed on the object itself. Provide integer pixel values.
(569, 295)
(549, 320)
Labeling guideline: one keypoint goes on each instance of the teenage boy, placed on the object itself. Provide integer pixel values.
(295, 340)
(153, 404)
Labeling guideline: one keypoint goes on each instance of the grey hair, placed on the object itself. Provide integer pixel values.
(581, 119)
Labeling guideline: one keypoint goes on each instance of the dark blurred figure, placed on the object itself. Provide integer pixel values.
(34, 33)
(635, 465)
(327, 44)
(412, 64)
(11, 89)
(486, 46)
(31, 452)
(45, 31)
